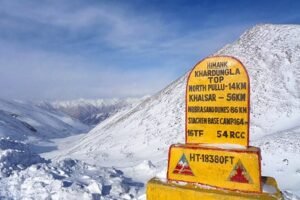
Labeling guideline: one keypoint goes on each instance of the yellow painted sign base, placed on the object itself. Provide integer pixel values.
(163, 190)
(233, 169)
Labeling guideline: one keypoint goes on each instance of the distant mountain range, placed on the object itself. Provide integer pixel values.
(25, 121)
(31, 121)
(91, 111)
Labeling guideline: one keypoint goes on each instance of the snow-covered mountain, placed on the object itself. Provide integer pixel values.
(271, 55)
(25, 121)
(91, 111)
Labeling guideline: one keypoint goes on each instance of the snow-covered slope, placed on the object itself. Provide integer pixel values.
(22, 121)
(25, 175)
(271, 56)
(91, 111)
(138, 133)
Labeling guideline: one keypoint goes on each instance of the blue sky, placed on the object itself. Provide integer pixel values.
(73, 49)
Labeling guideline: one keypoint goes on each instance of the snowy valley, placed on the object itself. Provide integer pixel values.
(48, 152)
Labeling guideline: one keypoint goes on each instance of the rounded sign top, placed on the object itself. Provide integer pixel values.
(217, 102)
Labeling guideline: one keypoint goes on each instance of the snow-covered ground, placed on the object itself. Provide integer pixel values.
(116, 158)
(25, 175)
(281, 158)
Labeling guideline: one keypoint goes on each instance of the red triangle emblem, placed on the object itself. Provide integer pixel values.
(239, 174)
(183, 167)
